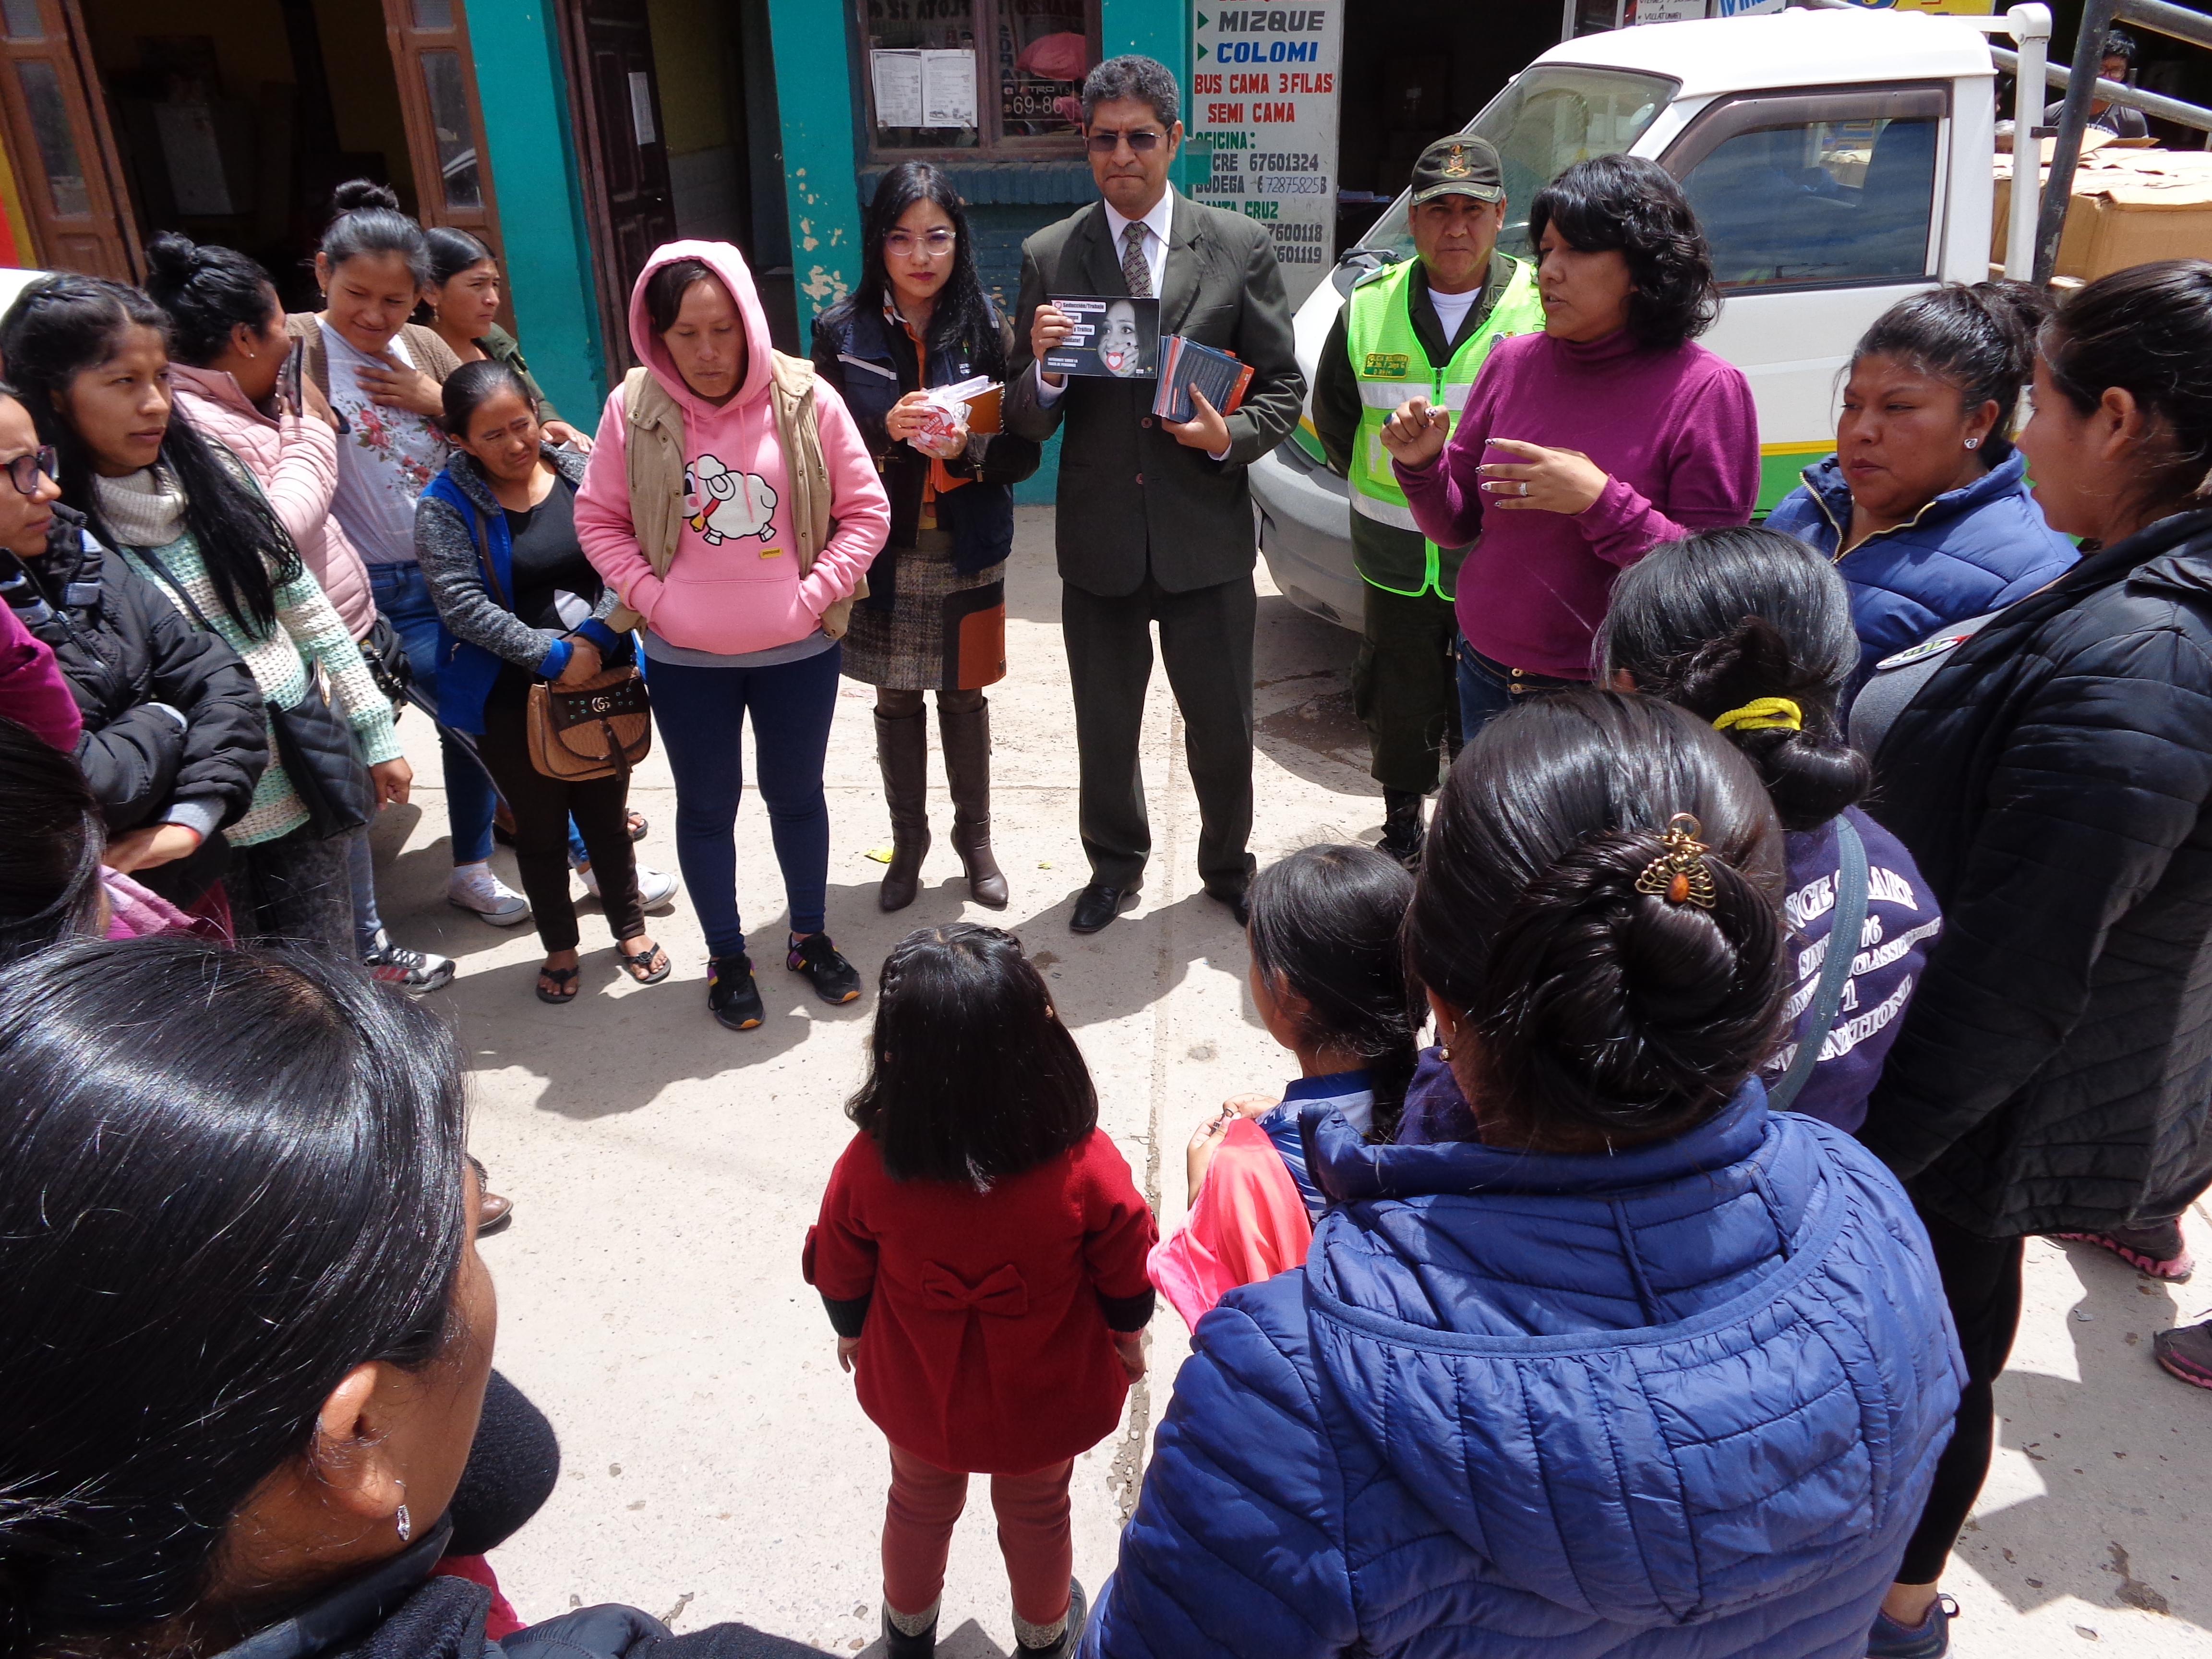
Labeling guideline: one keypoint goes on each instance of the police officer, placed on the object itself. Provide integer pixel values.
(1423, 325)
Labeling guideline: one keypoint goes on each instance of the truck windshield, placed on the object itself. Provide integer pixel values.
(1546, 120)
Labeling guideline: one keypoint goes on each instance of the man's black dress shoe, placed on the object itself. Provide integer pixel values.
(1098, 905)
(1238, 907)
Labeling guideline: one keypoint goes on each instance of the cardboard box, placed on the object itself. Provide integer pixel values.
(2129, 208)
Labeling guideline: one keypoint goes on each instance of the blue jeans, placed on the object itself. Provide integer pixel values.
(1488, 689)
(404, 596)
(701, 712)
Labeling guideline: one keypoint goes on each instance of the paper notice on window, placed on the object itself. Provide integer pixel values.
(948, 89)
(897, 78)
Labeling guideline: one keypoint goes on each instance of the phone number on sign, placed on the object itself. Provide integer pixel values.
(1279, 184)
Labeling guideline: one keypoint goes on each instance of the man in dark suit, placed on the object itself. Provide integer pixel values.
(1155, 516)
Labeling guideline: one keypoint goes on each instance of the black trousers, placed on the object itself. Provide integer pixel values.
(1404, 687)
(1205, 643)
(294, 889)
(541, 808)
(1981, 1281)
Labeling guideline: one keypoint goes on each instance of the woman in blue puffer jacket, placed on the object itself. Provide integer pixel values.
(1643, 1369)
(1924, 506)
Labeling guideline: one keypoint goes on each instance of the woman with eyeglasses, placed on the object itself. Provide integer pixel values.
(32, 692)
(935, 615)
(173, 741)
(92, 359)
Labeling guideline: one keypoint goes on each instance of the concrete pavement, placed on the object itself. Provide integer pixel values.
(666, 1171)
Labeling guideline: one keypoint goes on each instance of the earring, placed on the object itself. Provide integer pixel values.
(1443, 1053)
(1973, 443)
(402, 1520)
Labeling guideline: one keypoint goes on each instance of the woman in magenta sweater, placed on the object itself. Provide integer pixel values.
(1584, 446)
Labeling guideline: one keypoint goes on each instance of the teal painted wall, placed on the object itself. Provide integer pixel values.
(1158, 28)
(814, 91)
(519, 83)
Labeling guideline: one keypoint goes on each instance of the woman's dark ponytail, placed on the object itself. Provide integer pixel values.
(1723, 619)
(1325, 924)
(1596, 1012)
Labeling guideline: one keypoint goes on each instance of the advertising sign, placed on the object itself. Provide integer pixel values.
(1263, 126)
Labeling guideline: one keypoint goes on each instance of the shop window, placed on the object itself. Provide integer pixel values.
(1816, 191)
(977, 76)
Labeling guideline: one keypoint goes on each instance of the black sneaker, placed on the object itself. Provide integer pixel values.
(732, 996)
(834, 979)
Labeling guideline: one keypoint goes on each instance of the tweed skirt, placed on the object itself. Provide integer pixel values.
(944, 631)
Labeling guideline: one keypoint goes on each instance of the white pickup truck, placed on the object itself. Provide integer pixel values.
(1838, 160)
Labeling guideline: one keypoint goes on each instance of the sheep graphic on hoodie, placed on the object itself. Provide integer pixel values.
(733, 587)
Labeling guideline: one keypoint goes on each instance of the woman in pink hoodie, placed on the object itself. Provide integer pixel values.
(732, 627)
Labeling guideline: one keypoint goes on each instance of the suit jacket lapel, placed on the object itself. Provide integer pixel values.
(1186, 248)
(1101, 265)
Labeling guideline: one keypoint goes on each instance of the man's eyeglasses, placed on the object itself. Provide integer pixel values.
(1143, 142)
(901, 245)
(23, 471)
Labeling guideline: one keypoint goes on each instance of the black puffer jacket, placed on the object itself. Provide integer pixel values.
(172, 719)
(2054, 782)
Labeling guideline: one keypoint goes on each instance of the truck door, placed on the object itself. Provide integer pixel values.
(1823, 209)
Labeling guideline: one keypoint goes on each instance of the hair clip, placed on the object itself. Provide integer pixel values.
(1679, 874)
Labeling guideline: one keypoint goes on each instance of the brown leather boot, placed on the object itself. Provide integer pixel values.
(967, 739)
(903, 752)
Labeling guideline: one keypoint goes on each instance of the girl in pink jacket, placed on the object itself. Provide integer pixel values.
(732, 629)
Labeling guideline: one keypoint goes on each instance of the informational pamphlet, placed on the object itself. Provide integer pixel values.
(897, 79)
(1115, 336)
(1264, 105)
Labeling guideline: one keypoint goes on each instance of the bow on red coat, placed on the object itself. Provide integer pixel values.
(1001, 1292)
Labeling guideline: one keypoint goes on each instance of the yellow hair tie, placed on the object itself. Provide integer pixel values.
(1764, 713)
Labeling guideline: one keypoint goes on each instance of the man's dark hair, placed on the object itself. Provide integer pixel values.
(971, 1076)
(226, 1178)
(1601, 1014)
(1629, 203)
(2119, 43)
(1132, 76)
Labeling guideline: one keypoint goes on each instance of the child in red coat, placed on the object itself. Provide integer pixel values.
(981, 1254)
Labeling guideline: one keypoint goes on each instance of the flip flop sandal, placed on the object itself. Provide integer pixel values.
(639, 966)
(635, 822)
(564, 985)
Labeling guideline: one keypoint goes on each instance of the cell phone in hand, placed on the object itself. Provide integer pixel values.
(290, 377)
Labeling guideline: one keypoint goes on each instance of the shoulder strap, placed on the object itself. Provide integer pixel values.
(479, 536)
(1845, 925)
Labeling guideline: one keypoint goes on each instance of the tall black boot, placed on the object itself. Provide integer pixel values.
(967, 739)
(903, 752)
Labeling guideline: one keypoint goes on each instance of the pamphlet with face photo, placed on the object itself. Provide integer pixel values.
(1115, 336)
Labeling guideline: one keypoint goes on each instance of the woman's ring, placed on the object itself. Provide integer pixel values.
(1525, 486)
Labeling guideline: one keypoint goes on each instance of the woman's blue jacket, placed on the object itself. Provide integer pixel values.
(1684, 1399)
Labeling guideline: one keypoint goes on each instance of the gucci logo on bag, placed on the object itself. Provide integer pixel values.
(600, 705)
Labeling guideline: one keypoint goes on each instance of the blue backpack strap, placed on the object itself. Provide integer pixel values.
(1848, 920)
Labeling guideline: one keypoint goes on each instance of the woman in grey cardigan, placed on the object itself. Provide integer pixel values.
(495, 535)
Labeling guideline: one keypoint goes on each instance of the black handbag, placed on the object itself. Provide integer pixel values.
(386, 658)
(317, 749)
(314, 746)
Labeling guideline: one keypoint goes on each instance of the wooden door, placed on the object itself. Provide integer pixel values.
(65, 163)
(444, 126)
(621, 153)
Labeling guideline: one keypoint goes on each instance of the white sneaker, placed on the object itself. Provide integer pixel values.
(474, 887)
(654, 887)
